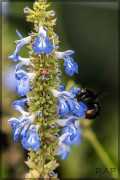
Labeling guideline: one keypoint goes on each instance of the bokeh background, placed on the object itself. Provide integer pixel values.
(91, 30)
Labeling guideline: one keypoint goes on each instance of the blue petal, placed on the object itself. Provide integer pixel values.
(15, 56)
(17, 68)
(19, 45)
(23, 86)
(17, 132)
(62, 87)
(76, 140)
(63, 107)
(73, 91)
(24, 130)
(83, 106)
(68, 53)
(20, 74)
(18, 34)
(36, 146)
(25, 143)
(42, 46)
(64, 155)
(21, 102)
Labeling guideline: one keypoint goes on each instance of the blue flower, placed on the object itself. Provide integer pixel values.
(63, 107)
(19, 46)
(67, 121)
(32, 138)
(70, 123)
(21, 125)
(71, 66)
(68, 104)
(63, 147)
(23, 86)
(77, 139)
(42, 43)
(63, 151)
(79, 108)
(23, 61)
(73, 91)
(61, 55)
(21, 103)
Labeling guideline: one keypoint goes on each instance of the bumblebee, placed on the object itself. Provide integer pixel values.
(91, 100)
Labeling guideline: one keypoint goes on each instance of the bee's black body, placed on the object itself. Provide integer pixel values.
(91, 100)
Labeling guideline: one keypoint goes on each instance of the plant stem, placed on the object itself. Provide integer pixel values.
(89, 135)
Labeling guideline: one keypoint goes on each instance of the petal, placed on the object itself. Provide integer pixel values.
(25, 144)
(17, 68)
(18, 34)
(13, 120)
(68, 53)
(21, 102)
(36, 146)
(23, 86)
(64, 155)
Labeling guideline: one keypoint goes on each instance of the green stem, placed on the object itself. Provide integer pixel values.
(89, 135)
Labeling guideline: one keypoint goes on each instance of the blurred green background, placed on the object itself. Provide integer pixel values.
(91, 30)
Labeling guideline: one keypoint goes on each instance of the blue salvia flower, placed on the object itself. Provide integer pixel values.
(19, 104)
(71, 66)
(62, 104)
(32, 138)
(71, 135)
(67, 121)
(23, 86)
(42, 43)
(21, 125)
(19, 46)
(23, 61)
(73, 91)
(77, 139)
(70, 123)
(68, 104)
(63, 107)
(63, 147)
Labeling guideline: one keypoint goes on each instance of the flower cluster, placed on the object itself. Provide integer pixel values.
(23, 124)
(69, 108)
